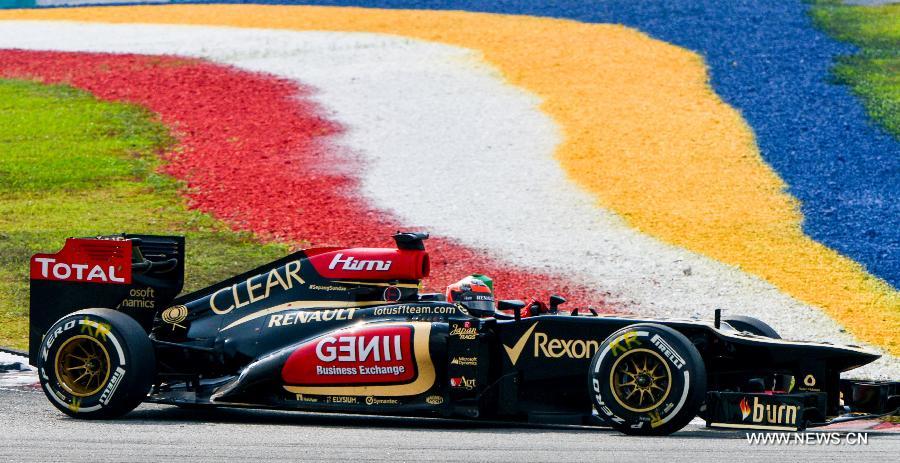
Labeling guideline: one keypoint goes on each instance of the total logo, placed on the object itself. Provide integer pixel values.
(768, 413)
(50, 269)
(353, 264)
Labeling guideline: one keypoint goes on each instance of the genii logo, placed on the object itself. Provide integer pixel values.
(359, 356)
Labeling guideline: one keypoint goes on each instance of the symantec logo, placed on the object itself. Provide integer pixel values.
(86, 260)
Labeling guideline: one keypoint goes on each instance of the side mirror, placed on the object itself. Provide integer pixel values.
(555, 302)
(514, 305)
(411, 240)
(510, 304)
(756, 385)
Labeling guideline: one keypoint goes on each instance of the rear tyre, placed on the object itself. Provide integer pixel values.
(647, 379)
(96, 363)
(752, 326)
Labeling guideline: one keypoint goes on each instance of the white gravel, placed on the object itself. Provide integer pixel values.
(7, 358)
(448, 145)
(25, 376)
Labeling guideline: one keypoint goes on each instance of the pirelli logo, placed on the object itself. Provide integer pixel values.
(668, 351)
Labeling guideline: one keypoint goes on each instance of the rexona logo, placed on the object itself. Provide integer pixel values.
(557, 348)
(769, 413)
(353, 264)
(548, 347)
(360, 356)
(50, 269)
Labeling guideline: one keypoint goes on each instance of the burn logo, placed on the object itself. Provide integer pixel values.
(768, 413)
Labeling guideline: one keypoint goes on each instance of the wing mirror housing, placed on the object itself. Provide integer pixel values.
(555, 302)
(515, 305)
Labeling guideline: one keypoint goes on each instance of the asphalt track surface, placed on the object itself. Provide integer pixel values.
(32, 430)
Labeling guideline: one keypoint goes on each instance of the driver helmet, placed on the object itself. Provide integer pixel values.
(473, 293)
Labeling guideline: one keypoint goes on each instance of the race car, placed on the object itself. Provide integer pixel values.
(349, 330)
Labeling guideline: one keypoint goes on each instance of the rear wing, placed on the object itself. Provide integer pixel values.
(135, 274)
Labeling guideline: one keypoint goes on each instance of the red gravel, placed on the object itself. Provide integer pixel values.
(256, 153)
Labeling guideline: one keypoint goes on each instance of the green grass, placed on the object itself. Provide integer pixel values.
(873, 73)
(71, 165)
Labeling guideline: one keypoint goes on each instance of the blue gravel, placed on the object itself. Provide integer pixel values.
(768, 61)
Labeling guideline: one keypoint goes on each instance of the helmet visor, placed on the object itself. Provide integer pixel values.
(481, 306)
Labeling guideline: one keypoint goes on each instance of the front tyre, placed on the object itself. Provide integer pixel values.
(647, 379)
(96, 363)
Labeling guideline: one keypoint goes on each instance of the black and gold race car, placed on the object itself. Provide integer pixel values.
(347, 330)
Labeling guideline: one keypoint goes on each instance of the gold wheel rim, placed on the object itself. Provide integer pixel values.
(82, 366)
(640, 380)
